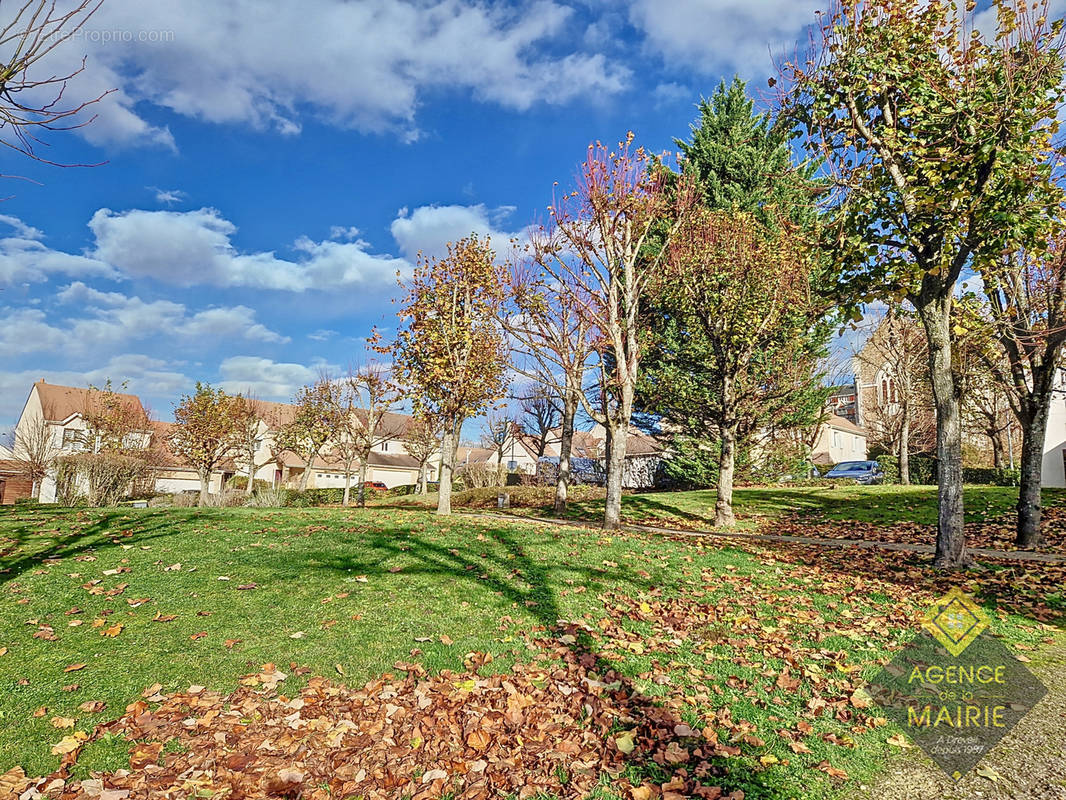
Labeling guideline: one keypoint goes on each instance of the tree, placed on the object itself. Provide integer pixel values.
(451, 354)
(206, 431)
(499, 430)
(937, 137)
(594, 259)
(737, 295)
(314, 422)
(371, 398)
(421, 439)
(897, 356)
(541, 414)
(28, 103)
(251, 425)
(736, 332)
(552, 342)
(36, 450)
(1026, 318)
(115, 423)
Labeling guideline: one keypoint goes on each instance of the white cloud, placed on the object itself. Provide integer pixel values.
(362, 65)
(265, 378)
(168, 197)
(25, 259)
(716, 36)
(142, 375)
(189, 248)
(111, 319)
(429, 229)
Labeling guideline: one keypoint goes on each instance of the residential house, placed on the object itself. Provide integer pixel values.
(63, 409)
(838, 439)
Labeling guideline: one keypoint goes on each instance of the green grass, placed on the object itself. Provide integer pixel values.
(876, 504)
(346, 594)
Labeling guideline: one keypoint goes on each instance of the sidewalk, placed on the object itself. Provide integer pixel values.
(978, 552)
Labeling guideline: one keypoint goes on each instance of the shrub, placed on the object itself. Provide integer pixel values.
(889, 466)
(992, 476)
(402, 490)
(27, 501)
(309, 498)
(241, 482)
(524, 496)
(269, 497)
(161, 501)
(99, 479)
(476, 476)
(227, 498)
(923, 470)
(186, 499)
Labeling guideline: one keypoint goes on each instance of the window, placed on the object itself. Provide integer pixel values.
(384, 447)
(836, 438)
(512, 466)
(71, 439)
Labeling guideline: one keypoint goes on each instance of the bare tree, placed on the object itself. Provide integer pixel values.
(36, 451)
(594, 253)
(499, 429)
(421, 439)
(314, 423)
(541, 413)
(369, 423)
(31, 98)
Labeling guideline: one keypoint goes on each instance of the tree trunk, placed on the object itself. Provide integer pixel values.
(616, 461)
(723, 505)
(566, 444)
(362, 481)
(251, 480)
(205, 491)
(422, 488)
(997, 448)
(307, 473)
(905, 450)
(935, 313)
(347, 485)
(1032, 464)
(447, 464)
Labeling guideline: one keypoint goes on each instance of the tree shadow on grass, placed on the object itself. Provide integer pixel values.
(30, 539)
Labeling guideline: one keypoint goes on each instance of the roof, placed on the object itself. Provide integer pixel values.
(473, 455)
(842, 424)
(588, 445)
(400, 460)
(8, 467)
(59, 403)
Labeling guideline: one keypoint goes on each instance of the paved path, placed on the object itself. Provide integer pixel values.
(980, 552)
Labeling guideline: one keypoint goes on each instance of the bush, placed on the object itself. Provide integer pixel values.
(923, 470)
(99, 479)
(402, 490)
(992, 476)
(889, 466)
(27, 501)
(227, 498)
(269, 497)
(241, 482)
(310, 498)
(524, 496)
(476, 476)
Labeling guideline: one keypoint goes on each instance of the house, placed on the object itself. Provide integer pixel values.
(64, 413)
(838, 439)
(644, 454)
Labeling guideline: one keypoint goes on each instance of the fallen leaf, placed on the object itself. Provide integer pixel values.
(74, 667)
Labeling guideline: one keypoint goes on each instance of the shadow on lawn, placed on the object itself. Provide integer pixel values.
(21, 545)
(528, 582)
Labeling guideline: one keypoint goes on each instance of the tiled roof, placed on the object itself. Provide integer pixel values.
(843, 424)
(61, 402)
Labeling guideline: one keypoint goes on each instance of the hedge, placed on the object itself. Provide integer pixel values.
(524, 496)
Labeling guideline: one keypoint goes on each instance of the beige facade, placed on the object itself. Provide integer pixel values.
(63, 407)
(838, 440)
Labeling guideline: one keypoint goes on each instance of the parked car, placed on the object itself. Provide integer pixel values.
(375, 486)
(865, 472)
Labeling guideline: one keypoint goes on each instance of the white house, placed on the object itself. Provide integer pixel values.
(838, 439)
(63, 408)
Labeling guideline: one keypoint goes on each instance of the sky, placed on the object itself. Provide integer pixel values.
(266, 168)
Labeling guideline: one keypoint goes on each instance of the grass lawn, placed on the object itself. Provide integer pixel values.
(873, 504)
(185, 596)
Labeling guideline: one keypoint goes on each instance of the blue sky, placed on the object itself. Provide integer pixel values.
(271, 165)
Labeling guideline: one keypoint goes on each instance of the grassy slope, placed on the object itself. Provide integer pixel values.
(877, 504)
(406, 575)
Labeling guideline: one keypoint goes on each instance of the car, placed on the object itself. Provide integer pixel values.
(376, 486)
(864, 472)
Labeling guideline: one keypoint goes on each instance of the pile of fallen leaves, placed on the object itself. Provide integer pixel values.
(553, 728)
(997, 534)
